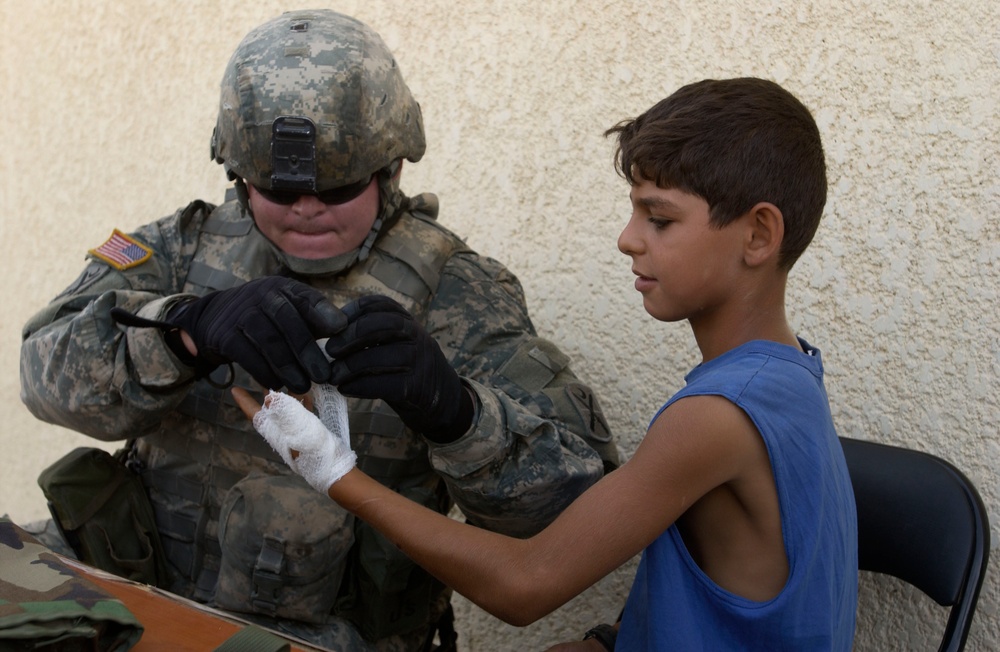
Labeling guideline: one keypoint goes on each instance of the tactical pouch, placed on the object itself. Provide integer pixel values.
(384, 592)
(284, 545)
(104, 513)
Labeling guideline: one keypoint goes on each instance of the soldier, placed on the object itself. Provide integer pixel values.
(453, 397)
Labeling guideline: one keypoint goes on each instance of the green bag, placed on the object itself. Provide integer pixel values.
(104, 513)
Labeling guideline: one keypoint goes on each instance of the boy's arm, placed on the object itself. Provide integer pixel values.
(688, 451)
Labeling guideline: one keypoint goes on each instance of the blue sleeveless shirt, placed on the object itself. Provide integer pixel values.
(673, 605)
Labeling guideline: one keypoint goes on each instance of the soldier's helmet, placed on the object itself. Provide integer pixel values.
(311, 101)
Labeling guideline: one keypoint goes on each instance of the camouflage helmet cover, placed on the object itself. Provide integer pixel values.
(332, 70)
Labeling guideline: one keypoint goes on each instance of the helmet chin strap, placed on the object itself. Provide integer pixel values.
(392, 202)
(319, 266)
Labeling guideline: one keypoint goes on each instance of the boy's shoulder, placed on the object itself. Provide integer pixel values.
(759, 362)
(778, 387)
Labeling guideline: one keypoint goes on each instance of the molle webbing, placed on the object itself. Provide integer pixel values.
(209, 278)
(428, 275)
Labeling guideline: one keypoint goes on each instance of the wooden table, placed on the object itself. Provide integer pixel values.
(172, 623)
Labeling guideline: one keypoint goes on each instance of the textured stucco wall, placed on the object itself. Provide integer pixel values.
(108, 107)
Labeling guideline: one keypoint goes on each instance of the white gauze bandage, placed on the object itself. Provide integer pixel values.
(323, 444)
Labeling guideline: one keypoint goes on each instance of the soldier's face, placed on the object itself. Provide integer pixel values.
(309, 228)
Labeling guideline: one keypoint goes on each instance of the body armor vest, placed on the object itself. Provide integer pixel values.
(239, 529)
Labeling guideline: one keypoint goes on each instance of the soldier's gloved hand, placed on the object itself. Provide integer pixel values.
(269, 326)
(384, 353)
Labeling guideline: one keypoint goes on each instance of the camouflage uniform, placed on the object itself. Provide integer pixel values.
(46, 605)
(238, 529)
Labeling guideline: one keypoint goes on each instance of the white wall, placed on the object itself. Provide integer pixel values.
(107, 108)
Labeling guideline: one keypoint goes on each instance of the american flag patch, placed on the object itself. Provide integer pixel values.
(122, 252)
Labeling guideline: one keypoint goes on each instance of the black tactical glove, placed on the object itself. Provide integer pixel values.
(383, 353)
(269, 326)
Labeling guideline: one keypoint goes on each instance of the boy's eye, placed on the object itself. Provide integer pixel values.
(659, 222)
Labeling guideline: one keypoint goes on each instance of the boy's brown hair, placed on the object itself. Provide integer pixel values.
(734, 143)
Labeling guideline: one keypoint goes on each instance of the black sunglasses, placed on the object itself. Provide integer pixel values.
(340, 195)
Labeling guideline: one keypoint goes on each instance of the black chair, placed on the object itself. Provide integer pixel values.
(921, 520)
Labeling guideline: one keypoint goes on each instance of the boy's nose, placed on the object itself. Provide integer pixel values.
(628, 244)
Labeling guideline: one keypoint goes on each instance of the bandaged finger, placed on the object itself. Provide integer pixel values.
(323, 457)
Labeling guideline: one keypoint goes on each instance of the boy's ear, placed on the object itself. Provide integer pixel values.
(765, 232)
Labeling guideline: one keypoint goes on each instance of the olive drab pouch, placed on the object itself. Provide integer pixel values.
(284, 546)
(102, 509)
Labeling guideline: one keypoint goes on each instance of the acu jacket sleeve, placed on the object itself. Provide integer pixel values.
(539, 438)
(81, 370)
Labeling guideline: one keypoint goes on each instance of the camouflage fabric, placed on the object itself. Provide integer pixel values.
(314, 100)
(537, 441)
(335, 72)
(44, 604)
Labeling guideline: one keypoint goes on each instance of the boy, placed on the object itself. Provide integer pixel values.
(738, 496)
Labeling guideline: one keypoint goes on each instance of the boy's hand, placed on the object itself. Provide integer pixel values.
(317, 448)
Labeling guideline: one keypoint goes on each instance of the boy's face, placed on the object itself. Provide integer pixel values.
(685, 267)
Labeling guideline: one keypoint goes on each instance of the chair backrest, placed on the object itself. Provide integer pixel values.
(921, 520)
